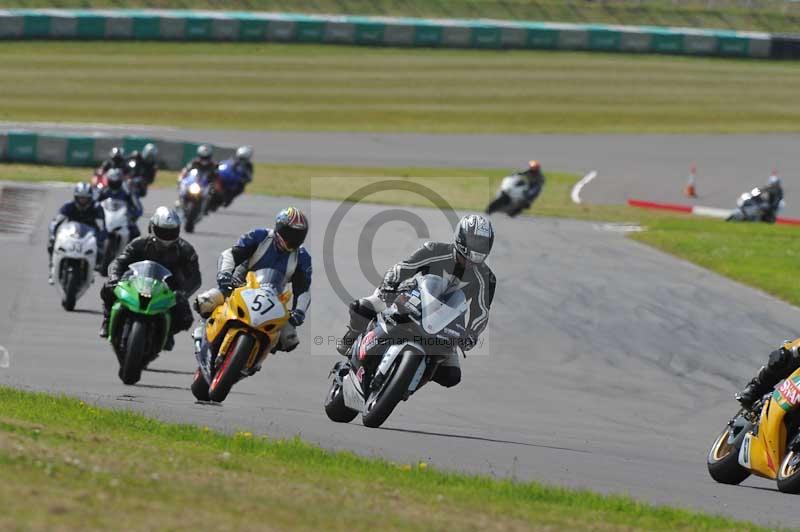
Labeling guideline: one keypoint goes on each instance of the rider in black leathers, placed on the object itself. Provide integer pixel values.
(535, 183)
(780, 364)
(163, 245)
(116, 159)
(772, 195)
(462, 260)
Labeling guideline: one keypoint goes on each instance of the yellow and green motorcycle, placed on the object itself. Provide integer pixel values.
(764, 440)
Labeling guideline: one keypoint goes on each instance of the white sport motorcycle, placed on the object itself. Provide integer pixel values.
(117, 230)
(399, 352)
(511, 196)
(74, 256)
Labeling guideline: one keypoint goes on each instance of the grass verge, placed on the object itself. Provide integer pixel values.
(340, 88)
(765, 15)
(72, 466)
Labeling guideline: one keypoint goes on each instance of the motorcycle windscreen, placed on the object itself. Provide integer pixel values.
(149, 269)
(441, 304)
(113, 205)
(271, 277)
(74, 230)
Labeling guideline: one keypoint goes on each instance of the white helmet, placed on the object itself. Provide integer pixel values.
(774, 180)
(149, 152)
(204, 151)
(244, 153)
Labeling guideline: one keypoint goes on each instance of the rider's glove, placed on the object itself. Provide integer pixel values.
(297, 317)
(225, 282)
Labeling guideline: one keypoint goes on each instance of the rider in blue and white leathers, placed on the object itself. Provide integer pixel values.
(278, 249)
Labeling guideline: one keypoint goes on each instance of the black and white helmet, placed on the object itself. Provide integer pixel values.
(205, 151)
(244, 153)
(82, 193)
(116, 154)
(165, 226)
(473, 239)
(149, 152)
(115, 178)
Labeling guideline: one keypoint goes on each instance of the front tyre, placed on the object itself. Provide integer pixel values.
(231, 370)
(789, 473)
(334, 405)
(723, 458)
(381, 402)
(131, 370)
(70, 290)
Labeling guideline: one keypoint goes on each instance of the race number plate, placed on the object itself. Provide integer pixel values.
(263, 306)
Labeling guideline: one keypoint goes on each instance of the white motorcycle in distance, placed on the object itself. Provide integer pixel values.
(753, 207)
(511, 196)
(74, 257)
(117, 230)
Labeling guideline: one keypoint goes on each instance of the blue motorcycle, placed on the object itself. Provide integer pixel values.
(229, 184)
(193, 196)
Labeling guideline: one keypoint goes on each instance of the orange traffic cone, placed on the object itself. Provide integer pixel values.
(690, 191)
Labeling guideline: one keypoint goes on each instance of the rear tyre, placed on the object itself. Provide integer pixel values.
(131, 370)
(381, 402)
(70, 290)
(108, 256)
(231, 370)
(200, 387)
(191, 217)
(723, 459)
(334, 405)
(789, 473)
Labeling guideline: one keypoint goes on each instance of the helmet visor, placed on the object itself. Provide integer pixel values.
(167, 235)
(290, 237)
(83, 202)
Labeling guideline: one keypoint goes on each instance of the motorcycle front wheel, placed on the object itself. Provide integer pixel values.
(498, 203)
(231, 370)
(381, 402)
(70, 290)
(131, 370)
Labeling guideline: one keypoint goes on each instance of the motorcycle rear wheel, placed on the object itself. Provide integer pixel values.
(789, 473)
(381, 402)
(232, 367)
(723, 459)
(334, 405)
(131, 370)
(200, 387)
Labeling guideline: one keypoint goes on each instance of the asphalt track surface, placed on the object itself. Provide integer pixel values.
(651, 167)
(607, 365)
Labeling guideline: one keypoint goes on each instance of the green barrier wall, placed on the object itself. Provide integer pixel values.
(70, 150)
(128, 24)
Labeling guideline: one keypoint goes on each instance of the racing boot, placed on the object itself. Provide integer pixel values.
(169, 345)
(344, 344)
(751, 393)
(104, 327)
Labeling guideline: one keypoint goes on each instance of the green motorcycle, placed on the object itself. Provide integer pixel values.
(140, 319)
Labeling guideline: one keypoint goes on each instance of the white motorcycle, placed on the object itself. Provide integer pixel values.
(511, 196)
(753, 207)
(117, 229)
(74, 257)
(399, 353)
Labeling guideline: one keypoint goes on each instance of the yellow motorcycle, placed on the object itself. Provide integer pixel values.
(240, 333)
(764, 440)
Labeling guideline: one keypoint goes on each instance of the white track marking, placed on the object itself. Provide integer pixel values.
(711, 211)
(576, 190)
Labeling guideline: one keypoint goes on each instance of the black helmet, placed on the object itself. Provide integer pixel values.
(473, 239)
(114, 178)
(116, 154)
(83, 196)
(165, 226)
(291, 228)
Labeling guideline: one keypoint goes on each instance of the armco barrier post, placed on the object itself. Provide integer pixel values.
(21, 147)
